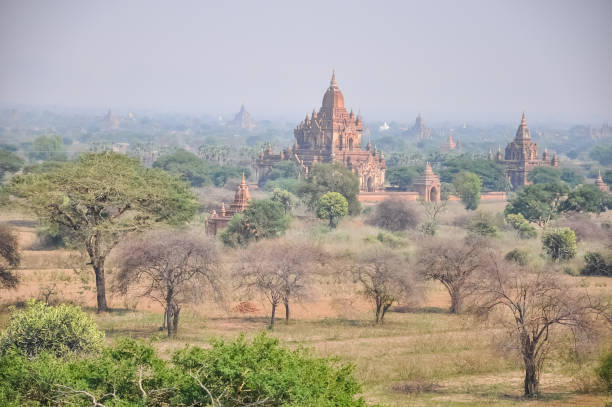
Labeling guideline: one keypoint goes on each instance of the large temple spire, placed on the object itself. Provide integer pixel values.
(333, 83)
(522, 133)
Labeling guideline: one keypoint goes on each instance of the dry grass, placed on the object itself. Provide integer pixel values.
(424, 357)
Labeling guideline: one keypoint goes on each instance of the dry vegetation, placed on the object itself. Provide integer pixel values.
(421, 356)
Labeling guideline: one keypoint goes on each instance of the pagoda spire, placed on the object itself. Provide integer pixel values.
(243, 182)
(333, 83)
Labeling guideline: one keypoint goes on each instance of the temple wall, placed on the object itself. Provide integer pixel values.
(375, 197)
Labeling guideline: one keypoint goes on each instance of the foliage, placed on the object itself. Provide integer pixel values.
(330, 178)
(544, 175)
(285, 198)
(602, 153)
(9, 256)
(172, 268)
(288, 184)
(571, 177)
(538, 203)
(59, 330)
(197, 171)
(518, 256)
(559, 244)
(523, 229)
(490, 173)
(332, 206)
(395, 215)
(131, 374)
(48, 148)
(483, 225)
(402, 177)
(604, 371)
(9, 162)
(587, 198)
(596, 265)
(467, 185)
(99, 199)
(283, 169)
(607, 177)
(263, 219)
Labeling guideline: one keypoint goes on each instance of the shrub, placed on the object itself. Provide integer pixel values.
(523, 229)
(263, 219)
(60, 330)
(560, 244)
(518, 256)
(394, 215)
(595, 265)
(482, 224)
(604, 371)
(332, 206)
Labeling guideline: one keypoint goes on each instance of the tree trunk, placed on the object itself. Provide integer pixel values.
(175, 319)
(273, 315)
(287, 311)
(100, 286)
(378, 312)
(531, 377)
(455, 302)
(169, 318)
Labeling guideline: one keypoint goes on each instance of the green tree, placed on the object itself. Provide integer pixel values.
(283, 169)
(560, 244)
(604, 371)
(571, 177)
(263, 219)
(330, 177)
(332, 206)
(523, 229)
(544, 175)
(48, 148)
(467, 185)
(596, 265)
(491, 173)
(9, 162)
(60, 330)
(285, 198)
(607, 177)
(539, 203)
(9, 256)
(187, 165)
(100, 199)
(587, 198)
(402, 177)
(603, 154)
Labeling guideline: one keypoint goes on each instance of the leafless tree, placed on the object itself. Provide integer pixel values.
(538, 304)
(9, 257)
(432, 211)
(280, 270)
(385, 279)
(454, 263)
(394, 214)
(172, 268)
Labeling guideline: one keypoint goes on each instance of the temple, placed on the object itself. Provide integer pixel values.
(428, 185)
(242, 198)
(600, 184)
(331, 135)
(242, 120)
(450, 144)
(521, 156)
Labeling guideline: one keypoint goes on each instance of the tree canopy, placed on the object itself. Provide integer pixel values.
(9, 162)
(263, 219)
(402, 177)
(100, 198)
(467, 184)
(48, 148)
(538, 203)
(491, 173)
(330, 177)
(544, 175)
(332, 206)
(587, 198)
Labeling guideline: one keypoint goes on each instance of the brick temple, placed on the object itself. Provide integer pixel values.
(218, 220)
(331, 135)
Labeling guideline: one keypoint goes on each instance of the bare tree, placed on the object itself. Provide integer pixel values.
(384, 278)
(172, 268)
(432, 211)
(394, 214)
(454, 264)
(538, 304)
(9, 257)
(280, 270)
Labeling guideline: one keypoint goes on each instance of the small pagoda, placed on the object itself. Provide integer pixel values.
(218, 220)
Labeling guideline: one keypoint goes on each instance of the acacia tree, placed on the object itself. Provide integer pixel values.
(538, 203)
(9, 257)
(538, 303)
(384, 279)
(172, 268)
(281, 271)
(98, 199)
(432, 212)
(332, 206)
(454, 264)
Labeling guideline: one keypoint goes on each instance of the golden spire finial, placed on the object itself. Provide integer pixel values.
(333, 83)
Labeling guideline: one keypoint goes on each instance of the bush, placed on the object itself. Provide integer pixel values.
(59, 330)
(332, 206)
(523, 229)
(394, 215)
(560, 244)
(604, 371)
(595, 265)
(482, 224)
(518, 256)
(263, 219)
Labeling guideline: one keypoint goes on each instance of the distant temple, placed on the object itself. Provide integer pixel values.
(521, 156)
(331, 135)
(242, 198)
(599, 183)
(111, 121)
(450, 144)
(243, 120)
(419, 130)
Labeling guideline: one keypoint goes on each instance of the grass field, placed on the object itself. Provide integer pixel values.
(425, 357)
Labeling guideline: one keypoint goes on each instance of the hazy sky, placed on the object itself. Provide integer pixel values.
(472, 60)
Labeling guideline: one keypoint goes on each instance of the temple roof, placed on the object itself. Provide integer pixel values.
(522, 133)
(333, 97)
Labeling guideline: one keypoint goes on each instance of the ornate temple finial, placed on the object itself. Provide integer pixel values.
(523, 119)
(243, 182)
(333, 83)
(222, 208)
